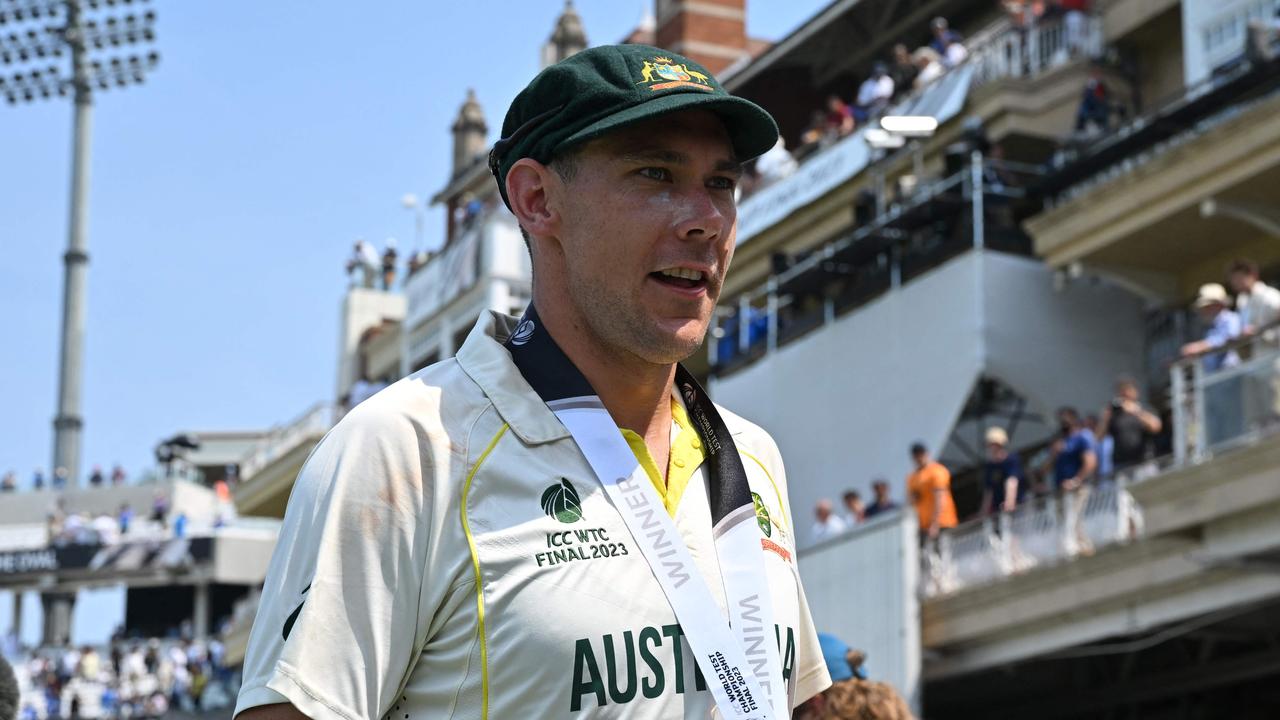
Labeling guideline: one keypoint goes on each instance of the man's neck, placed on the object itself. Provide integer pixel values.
(635, 392)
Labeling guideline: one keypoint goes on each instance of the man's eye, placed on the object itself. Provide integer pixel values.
(654, 173)
(722, 183)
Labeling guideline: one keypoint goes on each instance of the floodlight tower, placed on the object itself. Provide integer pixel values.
(35, 35)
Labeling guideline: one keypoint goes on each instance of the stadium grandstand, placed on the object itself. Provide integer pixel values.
(167, 554)
(981, 212)
(1023, 215)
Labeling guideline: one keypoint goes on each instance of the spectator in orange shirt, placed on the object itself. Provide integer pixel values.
(929, 489)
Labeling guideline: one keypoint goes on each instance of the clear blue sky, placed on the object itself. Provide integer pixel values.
(226, 193)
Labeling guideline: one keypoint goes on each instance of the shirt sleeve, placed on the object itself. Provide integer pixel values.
(339, 616)
(812, 676)
(940, 478)
(1225, 328)
(1013, 468)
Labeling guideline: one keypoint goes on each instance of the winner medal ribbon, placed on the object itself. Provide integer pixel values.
(738, 658)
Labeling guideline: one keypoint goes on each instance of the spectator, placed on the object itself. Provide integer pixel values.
(883, 503)
(105, 529)
(90, 664)
(929, 64)
(1095, 103)
(1076, 453)
(37, 480)
(1223, 326)
(9, 482)
(180, 525)
(775, 164)
(874, 94)
(826, 524)
(96, 478)
(1004, 484)
(1073, 22)
(160, 508)
(851, 694)
(389, 265)
(855, 511)
(1259, 307)
(1262, 38)
(222, 490)
(839, 118)
(1224, 418)
(364, 259)
(124, 517)
(1132, 429)
(943, 36)
(59, 478)
(1105, 448)
(1024, 14)
(1257, 302)
(904, 70)
(1074, 463)
(117, 475)
(956, 53)
(929, 488)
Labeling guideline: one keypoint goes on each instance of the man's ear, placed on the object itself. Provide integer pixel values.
(529, 183)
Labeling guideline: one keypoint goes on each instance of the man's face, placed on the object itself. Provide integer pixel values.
(822, 511)
(1241, 282)
(647, 202)
(882, 491)
(1210, 311)
(1127, 390)
(995, 451)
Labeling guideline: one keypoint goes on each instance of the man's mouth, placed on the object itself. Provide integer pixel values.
(683, 278)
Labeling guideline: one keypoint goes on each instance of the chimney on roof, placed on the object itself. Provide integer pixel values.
(711, 32)
(567, 38)
(469, 132)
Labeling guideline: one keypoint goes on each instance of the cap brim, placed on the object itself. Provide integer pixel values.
(752, 130)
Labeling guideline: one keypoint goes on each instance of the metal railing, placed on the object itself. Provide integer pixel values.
(1238, 404)
(1007, 51)
(1043, 532)
(756, 325)
(317, 420)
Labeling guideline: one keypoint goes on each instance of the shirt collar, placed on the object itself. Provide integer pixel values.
(485, 360)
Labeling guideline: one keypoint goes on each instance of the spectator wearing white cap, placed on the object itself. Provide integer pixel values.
(1223, 412)
(1222, 326)
(1004, 483)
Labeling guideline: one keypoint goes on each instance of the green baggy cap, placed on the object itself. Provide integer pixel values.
(608, 87)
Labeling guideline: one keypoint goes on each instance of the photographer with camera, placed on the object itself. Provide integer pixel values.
(1133, 429)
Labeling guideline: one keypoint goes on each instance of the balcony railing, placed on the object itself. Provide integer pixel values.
(281, 440)
(889, 250)
(1214, 411)
(1004, 50)
(1043, 532)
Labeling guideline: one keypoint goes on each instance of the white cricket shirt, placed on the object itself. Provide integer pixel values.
(433, 564)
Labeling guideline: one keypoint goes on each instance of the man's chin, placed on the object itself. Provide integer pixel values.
(674, 343)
